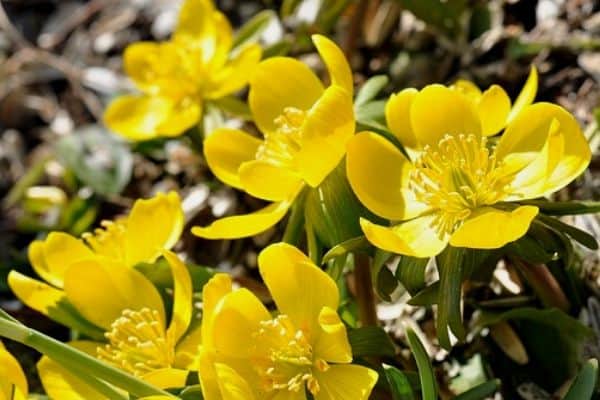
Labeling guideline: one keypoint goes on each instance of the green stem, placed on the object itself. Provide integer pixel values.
(365, 296)
(293, 229)
(86, 365)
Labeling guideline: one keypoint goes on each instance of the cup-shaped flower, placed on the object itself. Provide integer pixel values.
(305, 129)
(176, 76)
(151, 226)
(248, 353)
(13, 383)
(458, 187)
(130, 309)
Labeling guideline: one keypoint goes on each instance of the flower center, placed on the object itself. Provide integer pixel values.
(109, 240)
(138, 343)
(458, 175)
(281, 145)
(288, 363)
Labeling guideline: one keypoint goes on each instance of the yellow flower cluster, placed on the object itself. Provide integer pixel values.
(468, 160)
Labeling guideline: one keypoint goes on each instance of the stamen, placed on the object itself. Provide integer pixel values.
(288, 364)
(107, 240)
(281, 146)
(138, 343)
(457, 176)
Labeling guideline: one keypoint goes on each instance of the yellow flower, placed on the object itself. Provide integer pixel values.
(176, 76)
(458, 187)
(13, 383)
(92, 284)
(305, 130)
(247, 353)
(130, 309)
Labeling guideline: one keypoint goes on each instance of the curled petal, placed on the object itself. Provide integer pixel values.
(335, 60)
(397, 116)
(239, 226)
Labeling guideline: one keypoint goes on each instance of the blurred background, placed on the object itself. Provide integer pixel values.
(60, 169)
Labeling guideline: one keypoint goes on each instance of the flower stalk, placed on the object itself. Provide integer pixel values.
(365, 296)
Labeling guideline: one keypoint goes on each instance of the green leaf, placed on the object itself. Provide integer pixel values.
(280, 48)
(97, 158)
(480, 392)
(399, 384)
(450, 265)
(370, 341)
(529, 249)
(411, 273)
(371, 111)
(356, 244)
(578, 235)
(159, 273)
(386, 283)
(288, 7)
(442, 14)
(584, 384)
(561, 208)
(426, 297)
(370, 90)
(252, 29)
(333, 210)
(426, 373)
(541, 330)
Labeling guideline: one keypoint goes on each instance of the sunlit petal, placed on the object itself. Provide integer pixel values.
(508, 226)
(379, 173)
(346, 382)
(182, 297)
(493, 108)
(414, 238)
(239, 226)
(268, 182)
(526, 96)
(335, 60)
(281, 82)
(397, 116)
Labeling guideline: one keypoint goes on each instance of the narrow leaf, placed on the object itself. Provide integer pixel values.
(411, 273)
(584, 384)
(370, 341)
(580, 236)
(560, 208)
(480, 392)
(359, 243)
(370, 89)
(399, 384)
(252, 29)
(426, 373)
(450, 266)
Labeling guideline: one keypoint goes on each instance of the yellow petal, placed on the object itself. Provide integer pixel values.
(346, 382)
(328, 126)
(508, 226)
(335, 60)
(140, 117)
(226, 149)
(493, 108)
(268, 182)
(184, 114)
(208, 376)
(235, 74)
(167, 378)
(13, 383)
(549, 132)
(200, 25)
(115, 288)
(54, 255)
(59, 383)
(526, 96)
(332, 343)
(187, 351)
(413, 238)
(290, 275)
(239, 226)
(437, 111)
(378, 173)
(215, 289)
(236, 318)
(34, 294)
(468, 88)
(232, 385)
(281, 82)
(140, 61)
(397, 116)
(182, 297)
(153, 225)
